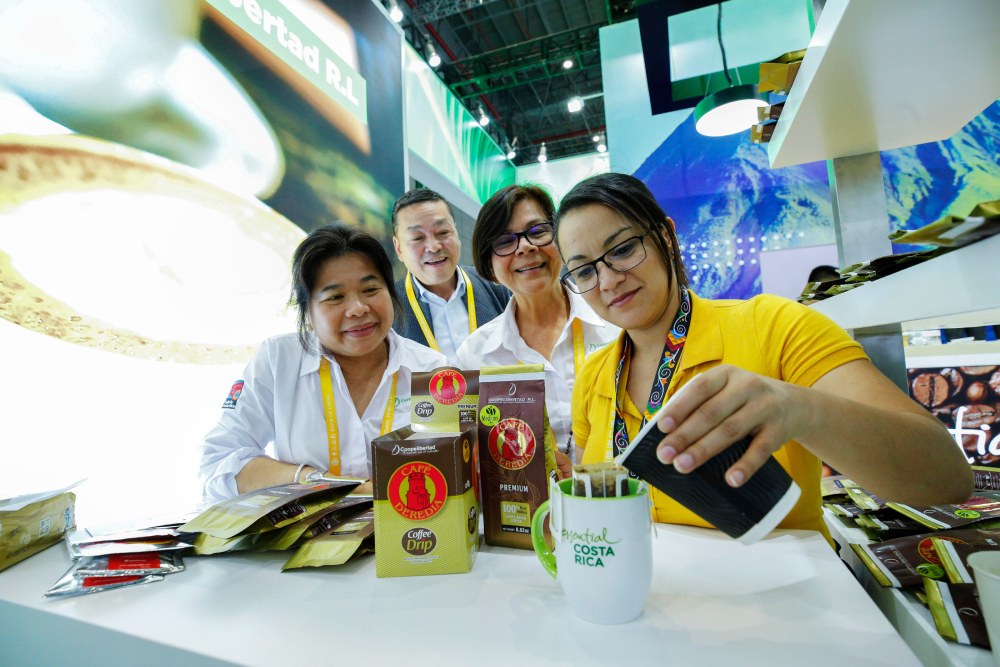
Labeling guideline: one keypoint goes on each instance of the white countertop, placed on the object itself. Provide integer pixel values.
(787, 600)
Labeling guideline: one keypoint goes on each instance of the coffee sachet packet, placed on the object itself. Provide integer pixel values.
(954, 557)
(71, 583)
(982, 506)
(887, 524)
(313, 525)
(140, 564)
(336, 546)
(264, 509)
(957, 613)
(905, 561)
(84, 544)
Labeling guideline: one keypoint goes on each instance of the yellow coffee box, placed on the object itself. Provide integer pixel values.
(426, 510)
(444, 400)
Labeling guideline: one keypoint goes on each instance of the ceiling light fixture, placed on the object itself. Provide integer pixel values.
(574, 104)
(543, 155)
(601, 146)
(484, 120)
(730, 110)
(568, 63)
(511, 153)
(395, 13)
(433, 59)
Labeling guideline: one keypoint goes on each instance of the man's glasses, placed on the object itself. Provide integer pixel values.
(537, 235)
(621, 258)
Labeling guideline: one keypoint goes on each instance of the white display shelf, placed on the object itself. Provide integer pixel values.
(882, 74)
(911, 619)
(959, 282)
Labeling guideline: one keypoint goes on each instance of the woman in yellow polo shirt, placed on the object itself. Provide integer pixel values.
(766, 367)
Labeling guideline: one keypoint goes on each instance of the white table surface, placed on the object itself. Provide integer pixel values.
(787, 600)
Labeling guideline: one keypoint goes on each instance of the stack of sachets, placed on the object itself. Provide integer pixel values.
(320, 520)
(926, 549)
(132, 555)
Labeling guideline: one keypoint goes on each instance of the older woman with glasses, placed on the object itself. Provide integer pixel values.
(544, 323)
(767, 368)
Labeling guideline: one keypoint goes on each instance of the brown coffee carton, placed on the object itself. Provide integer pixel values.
(444, 400)
(426, 510)
(516, 451)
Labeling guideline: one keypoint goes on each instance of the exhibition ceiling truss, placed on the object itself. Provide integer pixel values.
(521, 62)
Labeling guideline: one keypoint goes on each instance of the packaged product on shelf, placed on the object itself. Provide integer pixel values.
(864, 499)
(760, 133)
(953, 231)
(956, 611)
(778, 75)
(985, 478)
(982, 506)
(845, 509)
(266, 509)
(444, 400)
(33, 522)
(835, 485)
(336, 546)
(426, 511)
(905, 561)
(955, 557)
(516, 451)
(313, 525)
(140, 564)
(887, 524)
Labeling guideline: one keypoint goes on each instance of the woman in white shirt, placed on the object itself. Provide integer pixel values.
(544, 323)
(311, 403)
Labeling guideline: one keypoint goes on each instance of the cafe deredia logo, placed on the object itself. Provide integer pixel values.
(512, 443)
(417, 491)
(447, 387)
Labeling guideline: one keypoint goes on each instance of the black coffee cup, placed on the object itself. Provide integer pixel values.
(746, 513)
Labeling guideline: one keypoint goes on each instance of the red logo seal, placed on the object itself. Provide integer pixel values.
(512, 443)
(926, 549)
(447, 387)
(417, 491)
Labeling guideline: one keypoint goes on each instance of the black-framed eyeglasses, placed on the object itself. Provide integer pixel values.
(537, 235)
(623, 257)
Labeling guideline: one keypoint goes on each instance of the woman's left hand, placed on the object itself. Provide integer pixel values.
(721, 406)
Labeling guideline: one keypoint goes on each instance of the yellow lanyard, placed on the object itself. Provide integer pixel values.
(419, 314)
(330, 411)
(579, 351)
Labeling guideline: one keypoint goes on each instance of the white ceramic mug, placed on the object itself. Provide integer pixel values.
(986, 571)
(603, 556)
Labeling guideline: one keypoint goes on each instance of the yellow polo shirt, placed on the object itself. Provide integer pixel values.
(768, 335)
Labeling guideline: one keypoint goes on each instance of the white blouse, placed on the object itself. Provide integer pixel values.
(279, 412)
(499, 343)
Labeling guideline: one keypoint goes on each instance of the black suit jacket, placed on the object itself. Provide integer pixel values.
(490, 298)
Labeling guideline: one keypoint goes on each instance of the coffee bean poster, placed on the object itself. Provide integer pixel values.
(967, 401)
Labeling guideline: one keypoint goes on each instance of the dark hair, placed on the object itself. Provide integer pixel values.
(494, 217)
(330, 242)
(631, 199)
(823, 273)
(417, 196)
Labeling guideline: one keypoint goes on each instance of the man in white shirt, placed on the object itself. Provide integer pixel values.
(442, 301)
